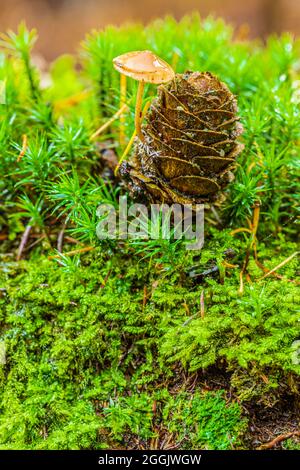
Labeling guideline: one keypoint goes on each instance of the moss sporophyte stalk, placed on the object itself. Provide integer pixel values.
(138, 343)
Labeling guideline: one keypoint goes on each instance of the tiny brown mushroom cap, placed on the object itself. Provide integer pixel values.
(144, 66)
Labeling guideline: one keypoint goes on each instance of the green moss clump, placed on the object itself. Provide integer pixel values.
(83, 368)
(86, 363)
(204, 421)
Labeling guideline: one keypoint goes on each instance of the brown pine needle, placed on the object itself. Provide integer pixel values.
(109, 122)
(265, 378)
(24, 240)
(60, 238)
(255, 220)
(73, 240)
(24, 147)
(105, 280)
(262, 267)
(186, 308)
(145, 296)
(39, 240)
(278, 276)
(280, 265)
(241, 289)
(229, 265)
(202, 305)
(238, 230)
(74, 252)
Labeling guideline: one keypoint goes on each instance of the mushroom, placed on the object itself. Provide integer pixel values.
(145, 67)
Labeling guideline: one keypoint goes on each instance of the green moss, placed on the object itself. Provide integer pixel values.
(204, 421)
(85, 363)
(82, 367)
(291, 444)
(109, 348)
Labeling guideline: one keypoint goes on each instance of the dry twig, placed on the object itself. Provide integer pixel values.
(74, 252)
(109, 122)
(280, 265)
(280, 438)
(24, 240)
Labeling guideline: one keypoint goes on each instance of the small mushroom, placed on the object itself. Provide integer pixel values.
(145, 67)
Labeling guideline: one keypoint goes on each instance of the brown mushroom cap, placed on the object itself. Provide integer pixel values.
(144, 66)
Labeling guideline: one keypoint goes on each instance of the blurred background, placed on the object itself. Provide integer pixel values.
(62, 24)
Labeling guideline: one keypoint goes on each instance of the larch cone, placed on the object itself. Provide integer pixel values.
(190, 143)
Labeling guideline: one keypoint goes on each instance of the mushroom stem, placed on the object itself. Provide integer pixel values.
(138, 111)
(122, 102)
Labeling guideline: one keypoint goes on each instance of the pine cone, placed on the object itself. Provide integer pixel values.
(190, 142)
